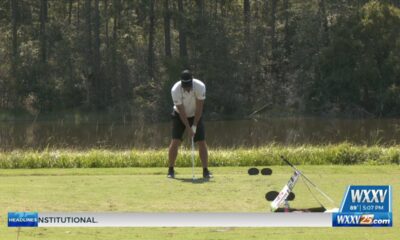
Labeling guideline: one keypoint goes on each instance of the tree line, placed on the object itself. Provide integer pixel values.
(320, 57)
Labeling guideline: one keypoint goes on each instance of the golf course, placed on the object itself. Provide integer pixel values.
(199, 120)
(146, 189)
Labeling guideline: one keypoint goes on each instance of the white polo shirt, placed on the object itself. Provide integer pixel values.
(188, 99)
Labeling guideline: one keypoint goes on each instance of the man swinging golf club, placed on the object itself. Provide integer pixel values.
(188, 96)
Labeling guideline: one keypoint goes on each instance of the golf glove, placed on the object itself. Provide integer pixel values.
(194, 128)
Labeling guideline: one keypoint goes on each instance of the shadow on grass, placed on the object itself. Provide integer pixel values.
(194, 181)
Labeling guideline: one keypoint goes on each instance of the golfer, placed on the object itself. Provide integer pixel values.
(188, 96)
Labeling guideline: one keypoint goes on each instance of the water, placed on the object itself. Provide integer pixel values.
(246, 133)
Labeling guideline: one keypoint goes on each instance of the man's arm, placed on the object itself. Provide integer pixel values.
(199, 111)
(182, 115)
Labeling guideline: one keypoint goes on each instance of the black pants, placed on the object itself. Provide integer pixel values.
(178, 128)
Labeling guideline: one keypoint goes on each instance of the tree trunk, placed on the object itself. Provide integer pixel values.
(274, 58)
(42, 32)
(248, 84)
(246, 19)
(96, 31)
(273, 30)
(150, 59)
(106, 24)
(98, 84)
(70, 11)
(200, 7)
(88, 19)
(89, 53)
(287, 40)
(182, 31)
(14, 25)
(88, 38)
(78, 14)
(199, 30)
(167, 29)
(324, 23)
(116, 92)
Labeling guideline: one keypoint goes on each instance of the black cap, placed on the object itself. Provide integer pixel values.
(186, 78)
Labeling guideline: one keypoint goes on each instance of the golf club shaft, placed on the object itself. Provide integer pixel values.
(308, 180)
(192, 157)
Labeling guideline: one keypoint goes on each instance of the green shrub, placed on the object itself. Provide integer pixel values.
(345, 154)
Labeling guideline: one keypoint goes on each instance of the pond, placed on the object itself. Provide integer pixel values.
(224, 134)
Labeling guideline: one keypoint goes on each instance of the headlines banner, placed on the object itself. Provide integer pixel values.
(178, 220)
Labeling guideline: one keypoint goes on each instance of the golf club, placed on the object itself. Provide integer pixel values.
(193, 177)
(308, 180)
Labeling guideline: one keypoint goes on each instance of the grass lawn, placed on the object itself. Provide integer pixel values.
(148, 190)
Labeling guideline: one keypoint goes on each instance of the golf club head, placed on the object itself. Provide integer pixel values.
(266, 171)
(271, 195)
(253, 171)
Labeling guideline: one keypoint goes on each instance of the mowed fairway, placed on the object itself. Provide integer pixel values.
(148, 190)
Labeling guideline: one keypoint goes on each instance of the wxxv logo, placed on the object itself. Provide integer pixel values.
(355, 219)
(365, 206)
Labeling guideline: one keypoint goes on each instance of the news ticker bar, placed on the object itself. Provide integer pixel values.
(177, 220)
(362, 206)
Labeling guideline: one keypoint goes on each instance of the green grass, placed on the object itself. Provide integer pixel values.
(269, 155)
(148, 190)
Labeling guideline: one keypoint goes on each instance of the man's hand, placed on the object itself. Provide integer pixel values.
(191, 132)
